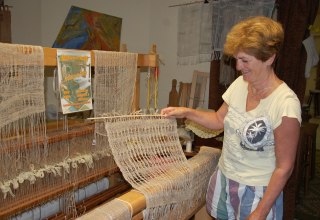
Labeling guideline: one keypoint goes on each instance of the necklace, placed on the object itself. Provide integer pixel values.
(261, 93)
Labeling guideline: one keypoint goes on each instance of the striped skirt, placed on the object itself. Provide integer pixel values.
(228, 199)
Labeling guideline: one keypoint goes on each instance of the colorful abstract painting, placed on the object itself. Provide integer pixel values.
(89, 30)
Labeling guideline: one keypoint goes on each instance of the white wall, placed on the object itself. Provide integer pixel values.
(163, 32)
(144, 22)
(25, 21)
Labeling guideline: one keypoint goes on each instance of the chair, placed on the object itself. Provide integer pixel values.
(308, 133)
(304, 169)
(198, 89)
(184, 94)
(314, 95)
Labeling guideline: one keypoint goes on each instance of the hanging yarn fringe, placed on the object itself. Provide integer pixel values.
(22, 106)
(115, 74)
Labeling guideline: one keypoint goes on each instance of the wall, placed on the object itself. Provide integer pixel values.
(25, 21)
(145, 22)
(163, 32)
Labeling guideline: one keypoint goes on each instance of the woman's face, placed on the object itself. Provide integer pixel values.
(250, 67)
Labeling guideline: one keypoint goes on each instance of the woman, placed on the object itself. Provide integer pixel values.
(261, 118)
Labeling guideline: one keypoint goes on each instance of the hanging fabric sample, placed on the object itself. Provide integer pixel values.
(22, 119)
(194, 33)
(114, 81)
(202, 28)
(74, 71)
(147, 150)
(229, 12)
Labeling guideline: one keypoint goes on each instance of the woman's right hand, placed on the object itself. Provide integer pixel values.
(175, 112)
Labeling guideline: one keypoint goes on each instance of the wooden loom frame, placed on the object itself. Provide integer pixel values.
(50, 60)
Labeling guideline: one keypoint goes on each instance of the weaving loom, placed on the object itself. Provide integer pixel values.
(41, 162)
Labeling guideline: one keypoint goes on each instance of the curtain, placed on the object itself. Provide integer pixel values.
(5, 24)
(296, 17)
(229, 12)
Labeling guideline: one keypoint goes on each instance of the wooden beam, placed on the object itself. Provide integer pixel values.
(45, 195)
(144, 60)
(136, 200)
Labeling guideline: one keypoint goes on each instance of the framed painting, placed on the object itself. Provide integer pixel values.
(89, 30)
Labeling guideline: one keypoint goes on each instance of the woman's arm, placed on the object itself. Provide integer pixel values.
(211, 120)
(286, 141)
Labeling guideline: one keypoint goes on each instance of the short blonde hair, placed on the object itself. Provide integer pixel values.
(258, 36)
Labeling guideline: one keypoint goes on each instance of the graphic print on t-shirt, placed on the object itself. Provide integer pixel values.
(255, 135)
(252, 132)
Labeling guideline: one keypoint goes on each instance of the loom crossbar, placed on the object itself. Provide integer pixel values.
(42, 196)
(144, 60)
(94, 201)
(54, 136)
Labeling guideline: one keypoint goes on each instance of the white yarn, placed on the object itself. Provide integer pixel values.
(147, 150)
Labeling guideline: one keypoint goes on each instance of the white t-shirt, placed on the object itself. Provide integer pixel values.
(248, 154)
